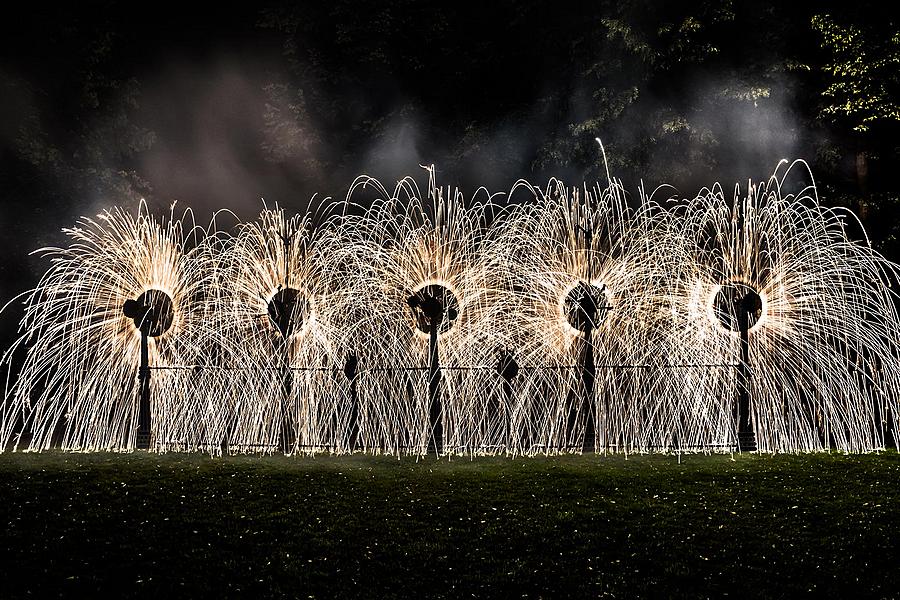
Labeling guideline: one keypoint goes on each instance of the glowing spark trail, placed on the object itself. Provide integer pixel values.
(824, 360)
(77, 386)
(552, 320)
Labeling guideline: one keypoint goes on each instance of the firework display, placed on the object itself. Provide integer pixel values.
(547, 320)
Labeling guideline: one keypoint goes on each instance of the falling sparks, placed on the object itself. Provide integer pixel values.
(551, 320)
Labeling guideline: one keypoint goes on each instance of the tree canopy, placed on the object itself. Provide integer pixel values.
(283, 100)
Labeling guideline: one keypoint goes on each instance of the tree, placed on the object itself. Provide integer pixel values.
(626, 87)
(82, 140)
(683, 94)
(863, 84)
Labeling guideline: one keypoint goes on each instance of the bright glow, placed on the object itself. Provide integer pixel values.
(824, 358)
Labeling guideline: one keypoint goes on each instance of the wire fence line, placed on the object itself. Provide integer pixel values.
(446, 367)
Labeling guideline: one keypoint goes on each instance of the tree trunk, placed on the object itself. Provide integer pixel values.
(862, 179)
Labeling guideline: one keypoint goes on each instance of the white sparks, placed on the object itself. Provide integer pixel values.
(302, 333)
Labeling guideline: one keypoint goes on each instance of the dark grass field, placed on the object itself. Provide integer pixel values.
(114, 525)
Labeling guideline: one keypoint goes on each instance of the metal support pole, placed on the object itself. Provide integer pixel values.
(588, 377)
(351, 370)
(507, 368)
(584, 401)
(503, 413)
(287, 427)
(354, 415)
(436, 441)
(143, 434)
(744, 375)
(749, 304)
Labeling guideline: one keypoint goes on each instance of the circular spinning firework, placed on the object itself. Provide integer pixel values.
(417, 268)
(289, 310)
(589, 302)
(121, 276)
(434, 304)
(732, 298)
(279, 310)
(822, 323)
(585, 306)
(153, 312)
(404, 322)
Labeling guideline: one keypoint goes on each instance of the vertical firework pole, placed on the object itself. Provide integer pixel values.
(287, 427)
(152, 313)
(588, 377)
(351, 370)
(143, 434)
(507, 368)
(588, 368)
(436, 442)
(749, 304)
(586, 307)
(744, 371)
(432, 309)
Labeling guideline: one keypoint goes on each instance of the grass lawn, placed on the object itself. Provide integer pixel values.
(374, 527)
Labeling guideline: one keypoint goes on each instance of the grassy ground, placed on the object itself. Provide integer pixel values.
(369, 527)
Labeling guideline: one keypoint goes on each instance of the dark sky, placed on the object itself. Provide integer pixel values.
(103, 103)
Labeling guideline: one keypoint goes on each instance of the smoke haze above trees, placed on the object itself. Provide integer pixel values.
(286, 100)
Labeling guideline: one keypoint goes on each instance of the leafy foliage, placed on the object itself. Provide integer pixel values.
(685, 93)
(863, 72)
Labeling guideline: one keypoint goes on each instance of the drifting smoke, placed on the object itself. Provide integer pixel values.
(290, 112)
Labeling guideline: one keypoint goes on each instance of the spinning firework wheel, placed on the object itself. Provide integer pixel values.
(411, 322)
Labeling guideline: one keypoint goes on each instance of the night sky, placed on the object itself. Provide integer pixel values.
(219, 109)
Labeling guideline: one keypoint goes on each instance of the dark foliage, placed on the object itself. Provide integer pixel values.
(281, 100)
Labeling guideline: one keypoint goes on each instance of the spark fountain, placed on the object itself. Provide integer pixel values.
(585, 303)
(123, 298)
(774, 282)
(422, 302)
(548, 320)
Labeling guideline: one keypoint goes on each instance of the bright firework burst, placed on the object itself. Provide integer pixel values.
(418, 263)
(77, 386)
(824, 366)
(414, 322)
(587, 317)
(279, 376)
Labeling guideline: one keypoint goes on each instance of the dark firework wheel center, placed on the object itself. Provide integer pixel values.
(585, 306)
(734, 299)
(288, 310)
(152, 312)
(434, 304)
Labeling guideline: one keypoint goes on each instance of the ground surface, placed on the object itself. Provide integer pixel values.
(372, 527)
